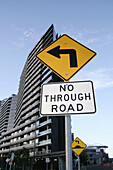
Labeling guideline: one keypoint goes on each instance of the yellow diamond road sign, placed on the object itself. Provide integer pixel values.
(65, 57)
(78, 146)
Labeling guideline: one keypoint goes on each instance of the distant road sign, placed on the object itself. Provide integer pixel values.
(7, 160)
(65, 57)
(68, 98)
(78, 146)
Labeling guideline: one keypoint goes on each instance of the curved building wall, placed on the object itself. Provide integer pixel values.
(31, 130)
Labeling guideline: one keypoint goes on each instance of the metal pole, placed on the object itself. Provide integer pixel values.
(34, 140)
(6, 166)
(34, 144)
(78, 163)
(46, 165)
(68, 142)
(10, 167)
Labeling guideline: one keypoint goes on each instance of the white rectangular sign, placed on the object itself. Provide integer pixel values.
(68, 98)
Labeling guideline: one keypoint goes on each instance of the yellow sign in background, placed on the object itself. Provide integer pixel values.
(57, 57)
(78, 146)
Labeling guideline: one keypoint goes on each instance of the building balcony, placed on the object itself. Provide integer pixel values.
(24, 132)
(27, 138)
(20, 133)
(29, 91)
(43, 152)
(31, 113)
(32, 77)
(45, 132)
(30, 107)
(4, 151)
(5, 144)
(31, 84)
(27, 131)
(18, 141)
(30, 101)
(28, 146)
(45, 123)
(31, 94)
(44, 142)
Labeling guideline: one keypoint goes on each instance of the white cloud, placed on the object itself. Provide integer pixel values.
(102, 78)
(90, 37)
(92, 40)
(29, 34)
(18, 44)
(86, 37)
(23, 36)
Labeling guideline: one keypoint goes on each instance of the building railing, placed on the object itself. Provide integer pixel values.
(34, 127)
(44, 132)
(45, 122)
(21, 147)
(43, 152)
(44, 142)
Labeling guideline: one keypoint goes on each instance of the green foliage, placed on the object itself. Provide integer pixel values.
(95, 161)
(21, 157)
(83, 157)
(2, 161)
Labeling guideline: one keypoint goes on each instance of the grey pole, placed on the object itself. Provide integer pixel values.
(78, 163)
(10, 167)
(35, 142)
(46, 165)
(68, 142)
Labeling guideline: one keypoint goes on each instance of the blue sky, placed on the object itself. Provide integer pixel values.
(22, 23)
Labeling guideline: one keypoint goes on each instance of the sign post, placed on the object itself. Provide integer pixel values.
(65, 57)
(67, 98)
(78, 146)
(78, 163)
(68, 142)
(47, 161)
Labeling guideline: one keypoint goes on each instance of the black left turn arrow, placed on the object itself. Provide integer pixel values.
(77, 141)
(57, 51)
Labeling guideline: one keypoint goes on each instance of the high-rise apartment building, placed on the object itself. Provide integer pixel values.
(1, 103)
(43, 136)
(7, 113)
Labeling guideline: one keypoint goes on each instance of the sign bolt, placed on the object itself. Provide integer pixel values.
(66, 74)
